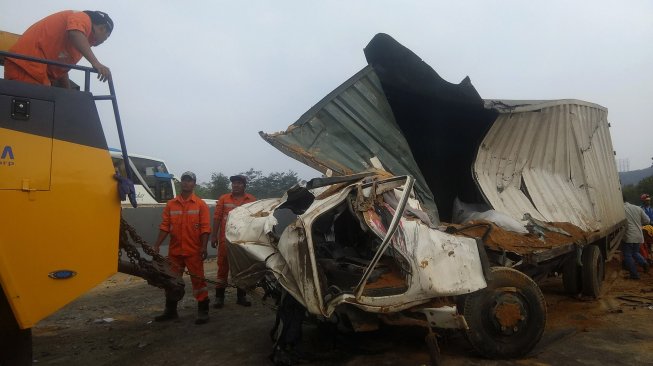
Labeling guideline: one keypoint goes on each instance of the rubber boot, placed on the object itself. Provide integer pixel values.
(202, 312)
(242, 298)
(169, 313)
(219, 298)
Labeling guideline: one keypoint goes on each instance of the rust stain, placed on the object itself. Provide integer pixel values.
(392, 279)
(333, 189)
(310, 158)
(499, 238)
(424, 264)
(508, 315)
(260, 214)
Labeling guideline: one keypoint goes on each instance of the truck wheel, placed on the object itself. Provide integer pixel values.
(15, 343)
(593, 268)
(507, 318)
(571, 276)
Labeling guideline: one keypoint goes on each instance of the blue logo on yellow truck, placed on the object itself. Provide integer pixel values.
(7, 156)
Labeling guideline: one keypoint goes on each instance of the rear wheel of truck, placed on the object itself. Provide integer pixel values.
(15, 343)
(571, 276)
(507, 318)
(593, 269)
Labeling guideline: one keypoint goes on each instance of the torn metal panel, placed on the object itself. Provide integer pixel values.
(445, 317)
(296, 247)
(253, 223)
(252, 250)
(442, 264)
(350, 129)
(391, 236)
(553, 160)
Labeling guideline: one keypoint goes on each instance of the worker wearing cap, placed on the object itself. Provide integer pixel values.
(646, 205)
(187, 219)
(64, 37)
(225, 204)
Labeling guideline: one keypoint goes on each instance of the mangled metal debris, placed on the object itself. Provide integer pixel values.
(538, 177)
(367, 248)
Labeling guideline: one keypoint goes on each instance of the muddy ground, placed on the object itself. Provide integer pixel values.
(112, 325)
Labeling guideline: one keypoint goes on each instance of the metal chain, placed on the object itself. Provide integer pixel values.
(159, 272)
(127, 231)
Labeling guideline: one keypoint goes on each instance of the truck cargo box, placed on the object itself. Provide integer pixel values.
(552, 160)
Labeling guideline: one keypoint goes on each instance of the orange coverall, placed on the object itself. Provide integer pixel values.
(48, 39)
(646, 247)
(225, 204)
(186, 221)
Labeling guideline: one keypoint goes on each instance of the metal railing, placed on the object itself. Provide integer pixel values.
(87, 83)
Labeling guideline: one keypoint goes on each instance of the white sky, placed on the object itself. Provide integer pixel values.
(197, 80)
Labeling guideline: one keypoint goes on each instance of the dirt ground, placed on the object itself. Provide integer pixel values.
(112, 325)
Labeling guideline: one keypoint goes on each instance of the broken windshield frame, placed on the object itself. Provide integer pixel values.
(394, 224)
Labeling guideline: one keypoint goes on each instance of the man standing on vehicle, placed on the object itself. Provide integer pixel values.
(64, 37)
(635, 218)
(646, 205)
(225, 204)
(188, 221)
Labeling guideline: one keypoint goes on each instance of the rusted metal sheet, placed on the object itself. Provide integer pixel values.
(553, 160)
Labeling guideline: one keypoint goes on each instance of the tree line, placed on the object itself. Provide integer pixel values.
(276, 184)
(632, 192)
(261, 186)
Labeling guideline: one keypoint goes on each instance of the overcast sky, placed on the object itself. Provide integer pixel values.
(197, 80)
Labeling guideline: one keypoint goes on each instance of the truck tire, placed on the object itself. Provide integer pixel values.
(571, 276)
(15, 343)
(593, 269)
(507, 318)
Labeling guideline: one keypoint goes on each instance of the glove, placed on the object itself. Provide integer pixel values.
(126, 189)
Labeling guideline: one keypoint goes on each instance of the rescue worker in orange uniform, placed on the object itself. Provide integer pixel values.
(65, 37)
(646, 250)
(225, 204)
(188, 221)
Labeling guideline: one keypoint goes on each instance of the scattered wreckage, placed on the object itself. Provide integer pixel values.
(438, 208)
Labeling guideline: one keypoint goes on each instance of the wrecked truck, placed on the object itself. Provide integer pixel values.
(438, 208)
(359, 250)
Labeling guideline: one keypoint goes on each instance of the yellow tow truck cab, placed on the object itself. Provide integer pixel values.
(60, 211)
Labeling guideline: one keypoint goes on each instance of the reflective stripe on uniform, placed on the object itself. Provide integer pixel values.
(200, 290)
(193, 212)
(176, 212)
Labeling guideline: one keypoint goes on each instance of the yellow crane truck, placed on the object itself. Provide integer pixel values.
(60, 208)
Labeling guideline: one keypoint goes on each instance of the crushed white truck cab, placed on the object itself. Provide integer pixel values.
(360, 247)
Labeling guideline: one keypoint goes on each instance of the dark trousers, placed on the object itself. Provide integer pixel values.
(631, 255)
